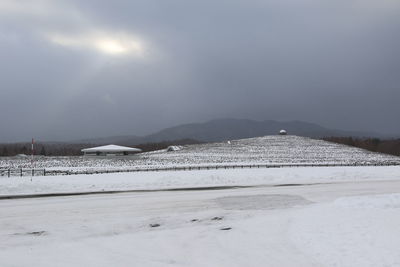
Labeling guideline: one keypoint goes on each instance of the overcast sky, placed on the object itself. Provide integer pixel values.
(77, 69)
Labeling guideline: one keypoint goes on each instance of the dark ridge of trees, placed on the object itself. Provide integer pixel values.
(391, 146)
(62, 149)
(44, 149)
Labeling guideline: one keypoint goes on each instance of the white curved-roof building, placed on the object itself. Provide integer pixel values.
(110, 150)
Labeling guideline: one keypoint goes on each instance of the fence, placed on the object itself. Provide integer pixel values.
(22, 172)
(44, 172)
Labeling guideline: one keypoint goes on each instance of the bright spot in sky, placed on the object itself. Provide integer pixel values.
(109, 44)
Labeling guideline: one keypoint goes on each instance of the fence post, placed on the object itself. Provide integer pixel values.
(21, 172)
(44, 172)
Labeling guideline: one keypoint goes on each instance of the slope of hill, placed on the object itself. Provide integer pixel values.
(273, 149)
(391, 146)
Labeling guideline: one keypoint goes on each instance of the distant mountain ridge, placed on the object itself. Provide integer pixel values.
(228, 129)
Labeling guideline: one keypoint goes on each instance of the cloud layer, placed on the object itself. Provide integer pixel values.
(74, 69)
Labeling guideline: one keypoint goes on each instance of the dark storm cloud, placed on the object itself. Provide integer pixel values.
(65, 75)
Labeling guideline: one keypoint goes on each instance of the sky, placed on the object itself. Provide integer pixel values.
(79, 69)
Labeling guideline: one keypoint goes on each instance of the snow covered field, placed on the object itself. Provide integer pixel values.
(260, 150)
(185, 179)
(330, 224)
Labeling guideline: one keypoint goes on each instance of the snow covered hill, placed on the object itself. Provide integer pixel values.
(261, 150)
(269, 149)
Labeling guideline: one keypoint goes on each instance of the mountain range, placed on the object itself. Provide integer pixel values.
(228, 129)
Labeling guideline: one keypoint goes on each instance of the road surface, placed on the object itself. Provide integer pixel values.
(335, 224)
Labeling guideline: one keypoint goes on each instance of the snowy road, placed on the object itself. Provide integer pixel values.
(337, 224)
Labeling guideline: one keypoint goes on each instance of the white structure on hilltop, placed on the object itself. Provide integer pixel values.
(282, 132)
(110, 150)
(173, 148)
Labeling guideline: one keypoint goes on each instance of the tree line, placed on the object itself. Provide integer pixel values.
(64, 149)
(391, 146)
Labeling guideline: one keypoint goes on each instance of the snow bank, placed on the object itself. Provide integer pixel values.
(351, 231)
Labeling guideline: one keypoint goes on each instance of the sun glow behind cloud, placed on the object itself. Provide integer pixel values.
(105, 43)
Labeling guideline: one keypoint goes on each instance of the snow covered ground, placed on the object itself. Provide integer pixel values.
(330, 224)
(305, 216)
(260, 150)
(184, 179)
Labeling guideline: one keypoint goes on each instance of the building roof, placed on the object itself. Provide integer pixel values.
(111, 148)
